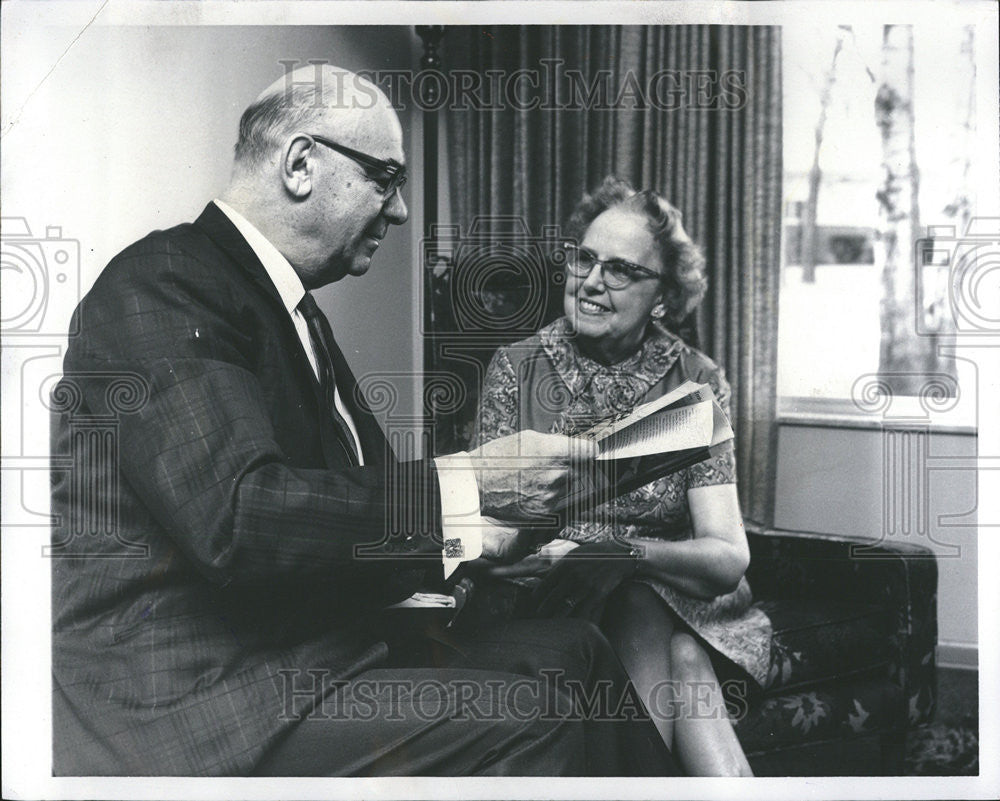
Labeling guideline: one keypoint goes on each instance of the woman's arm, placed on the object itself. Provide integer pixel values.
(498, 411)
(715, 560)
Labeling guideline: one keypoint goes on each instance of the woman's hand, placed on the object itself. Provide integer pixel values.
(536, 564)
(579, 584)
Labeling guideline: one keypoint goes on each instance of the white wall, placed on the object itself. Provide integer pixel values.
(834, 480)
(133, 130)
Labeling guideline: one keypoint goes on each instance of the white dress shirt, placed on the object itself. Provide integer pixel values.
(461, 522)
(291, 291)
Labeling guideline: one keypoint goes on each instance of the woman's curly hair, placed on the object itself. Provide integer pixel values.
(684, 280)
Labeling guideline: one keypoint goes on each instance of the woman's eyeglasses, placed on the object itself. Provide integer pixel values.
(616, 273)
(386, 175)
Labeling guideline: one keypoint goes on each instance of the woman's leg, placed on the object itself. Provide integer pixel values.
(704, 740)
(639, 627)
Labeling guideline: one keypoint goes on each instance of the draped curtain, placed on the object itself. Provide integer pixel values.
(709, 140)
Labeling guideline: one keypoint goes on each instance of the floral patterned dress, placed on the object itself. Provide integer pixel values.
(545, 384)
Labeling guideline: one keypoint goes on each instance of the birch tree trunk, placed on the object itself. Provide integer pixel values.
(902, 355)
(960, 208)
(939, 317)
(809, 213)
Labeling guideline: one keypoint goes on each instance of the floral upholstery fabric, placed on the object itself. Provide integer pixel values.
(827, 712)
(900, 579)
(546, 384)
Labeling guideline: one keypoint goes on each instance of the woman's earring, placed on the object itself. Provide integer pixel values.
(657, 312)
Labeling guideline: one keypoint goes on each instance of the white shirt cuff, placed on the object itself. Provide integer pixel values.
(461, 523)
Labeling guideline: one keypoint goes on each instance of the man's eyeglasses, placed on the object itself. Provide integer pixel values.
(387, 175)
(616, 273)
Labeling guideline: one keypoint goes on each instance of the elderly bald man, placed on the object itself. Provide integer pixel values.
(228, 624)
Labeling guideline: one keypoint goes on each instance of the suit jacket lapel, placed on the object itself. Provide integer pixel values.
(227, 236)
(373, 443)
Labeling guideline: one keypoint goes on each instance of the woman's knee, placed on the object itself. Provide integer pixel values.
(688, 658)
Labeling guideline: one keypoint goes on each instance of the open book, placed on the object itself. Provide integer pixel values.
(658, 438)
(679, 429)
(687, 419)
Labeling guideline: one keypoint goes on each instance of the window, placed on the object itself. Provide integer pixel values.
(861, 172)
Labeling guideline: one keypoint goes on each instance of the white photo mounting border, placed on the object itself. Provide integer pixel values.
(50, 223)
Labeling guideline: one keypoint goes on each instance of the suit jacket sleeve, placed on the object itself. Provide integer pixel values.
(201, 454)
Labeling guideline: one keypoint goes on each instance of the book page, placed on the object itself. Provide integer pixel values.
(697, 394)
(721, 429)
(607, 428)
(668, 430)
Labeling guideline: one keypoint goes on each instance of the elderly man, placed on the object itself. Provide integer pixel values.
(224, 618)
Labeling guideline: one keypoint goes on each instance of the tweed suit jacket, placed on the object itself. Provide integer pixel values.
(207, 520)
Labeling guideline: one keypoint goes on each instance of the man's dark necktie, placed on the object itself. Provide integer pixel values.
(322, 339)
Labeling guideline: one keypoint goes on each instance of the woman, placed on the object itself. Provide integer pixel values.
(682, 603)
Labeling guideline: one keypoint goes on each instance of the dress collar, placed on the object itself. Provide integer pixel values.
(658, 353)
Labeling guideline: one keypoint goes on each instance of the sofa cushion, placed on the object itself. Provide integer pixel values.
(900, 576)
(828, 713)
(815, 641)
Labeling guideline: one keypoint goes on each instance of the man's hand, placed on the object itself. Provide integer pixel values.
(526, 476)
(502, 543)
(580, 582)
(535, 564)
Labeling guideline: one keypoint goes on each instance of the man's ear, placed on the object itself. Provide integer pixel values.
(297, 167)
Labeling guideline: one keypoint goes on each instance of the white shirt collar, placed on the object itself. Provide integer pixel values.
(281, 273)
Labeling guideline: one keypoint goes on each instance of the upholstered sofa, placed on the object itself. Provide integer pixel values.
(852, 658)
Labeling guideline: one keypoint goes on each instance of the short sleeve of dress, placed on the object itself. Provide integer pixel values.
(721, 467)
(498, 414)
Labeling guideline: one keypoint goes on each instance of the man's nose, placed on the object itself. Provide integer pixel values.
(395, 208)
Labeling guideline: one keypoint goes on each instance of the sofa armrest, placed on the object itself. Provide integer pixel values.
(791, 565)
